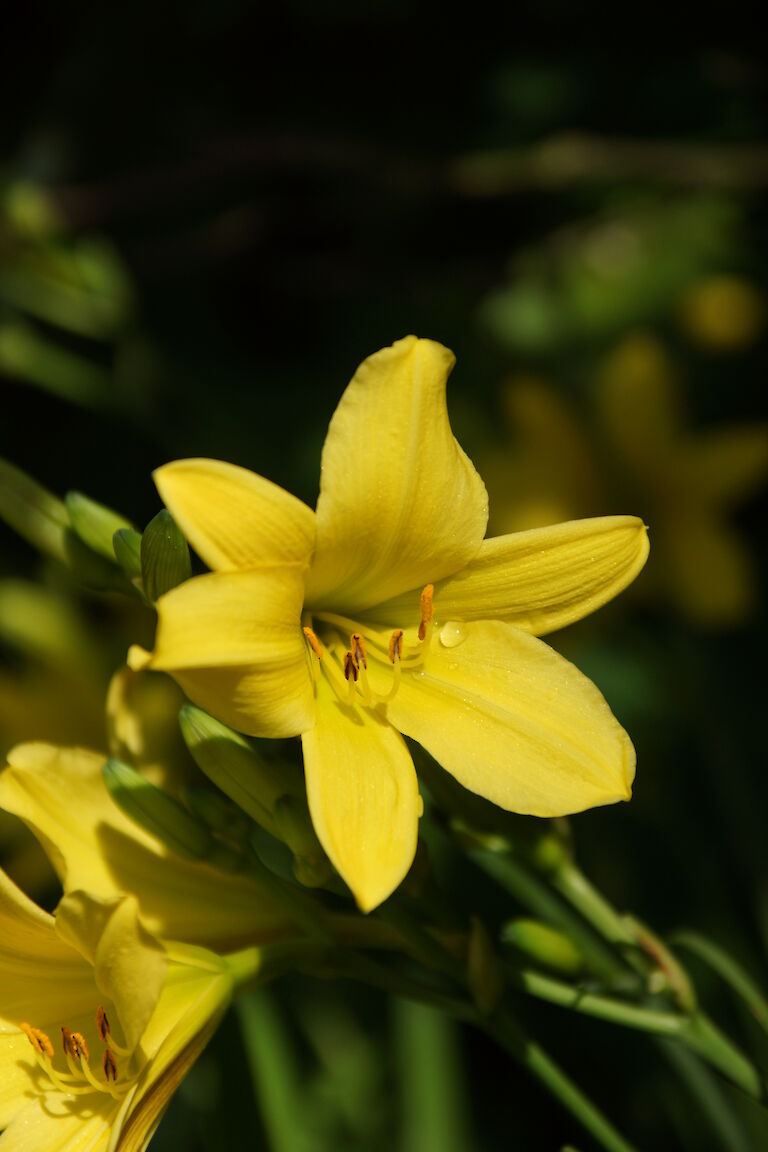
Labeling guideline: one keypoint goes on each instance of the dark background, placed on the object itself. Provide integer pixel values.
(264, 196)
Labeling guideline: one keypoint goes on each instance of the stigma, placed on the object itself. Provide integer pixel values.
(80, 1077)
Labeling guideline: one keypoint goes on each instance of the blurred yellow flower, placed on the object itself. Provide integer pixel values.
(99, 1022)
(385, 612)
(684, 481)
(723, 313)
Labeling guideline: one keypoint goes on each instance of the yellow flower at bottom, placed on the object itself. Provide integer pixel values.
(385, 612)
(98, 1022)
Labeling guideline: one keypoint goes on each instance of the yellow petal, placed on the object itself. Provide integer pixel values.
(233, 641)
(190, 1008)
(516, 723)
(41, 977)
(538, 580)
(60, 794)
(62, 1124)
(129, 964)
(363, 797)
(400, 504)
(234, 518)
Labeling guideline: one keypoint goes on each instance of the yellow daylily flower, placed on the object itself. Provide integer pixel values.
(385, 613)
(61, 795)
(99, 1022)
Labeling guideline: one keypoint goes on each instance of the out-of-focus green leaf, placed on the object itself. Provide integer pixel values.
(728, 969)
(94, 523)
(29, 356)
(433, 1094)
(157, 811)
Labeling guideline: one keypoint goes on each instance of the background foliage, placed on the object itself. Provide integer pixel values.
(208, 217)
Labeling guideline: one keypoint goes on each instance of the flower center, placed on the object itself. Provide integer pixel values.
(346, 667)
(81, 1078)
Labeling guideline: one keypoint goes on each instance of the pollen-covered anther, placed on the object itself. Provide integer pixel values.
(102, 1024)
(357, 647)
(74, 1044)
(110, 1065)
(395, 649)
(313, 642)
(351, 668)
(39, 1040)
(427, 611)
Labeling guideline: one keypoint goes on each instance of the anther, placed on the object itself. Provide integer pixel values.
(102, 1024)
(38, 1039)
(110, 1065)
(351, 669)
(313, 642)
(395, 648)
(357, 646)
(74, 1044)
(427, 610)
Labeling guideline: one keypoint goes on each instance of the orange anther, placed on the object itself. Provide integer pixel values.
(74, 1044)
(102, 1023)
(427, 609)
(313, 642)
(396, 645)
(110, 1065)
(350, 667)
(38, 1039)
(357, 645)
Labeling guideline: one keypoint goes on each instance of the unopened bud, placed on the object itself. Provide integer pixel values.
(165, 561)
(544, 945)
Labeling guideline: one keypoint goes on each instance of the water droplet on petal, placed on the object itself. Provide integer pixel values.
(452, 634)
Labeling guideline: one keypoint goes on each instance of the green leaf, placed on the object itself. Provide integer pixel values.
(157, 812)
(165, 561)
(126, 544)
(94, 523)
(42, 520)
(728, 969)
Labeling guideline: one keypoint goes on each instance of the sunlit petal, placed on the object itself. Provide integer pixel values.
(400, 504)
(516, 723)
(234, 518)
(538, 580)
(233, 641)
(363, 797)
(61, 1124)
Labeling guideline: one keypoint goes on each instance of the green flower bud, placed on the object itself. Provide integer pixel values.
(544, 945)
(165, 558)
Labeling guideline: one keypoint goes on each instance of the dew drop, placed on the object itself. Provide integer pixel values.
(452, 634)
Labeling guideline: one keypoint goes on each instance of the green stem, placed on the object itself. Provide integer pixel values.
(571, 882)
(601, 1007)
(536, 895)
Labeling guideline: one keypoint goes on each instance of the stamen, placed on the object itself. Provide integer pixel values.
(351, 669)
(357, 645)
(74, 1045)
(110, 1065)
(427, 611)
(104, 1028)
(395, 649)
(38, 1039)
(313, 642)
(102, 1024)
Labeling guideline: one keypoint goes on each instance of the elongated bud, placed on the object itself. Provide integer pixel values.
(544, 945)
(165, 558)
(218, 812)
(266, 792)
(126, 545)
(485, 975)
(157, 811)
(94, 524)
